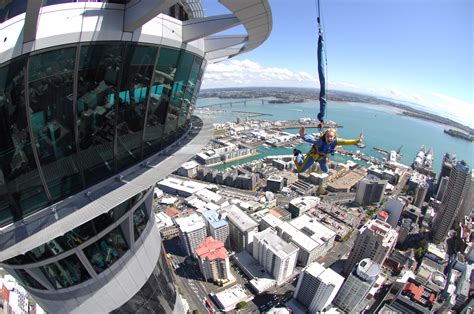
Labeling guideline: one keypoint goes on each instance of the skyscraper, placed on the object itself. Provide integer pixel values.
(375, 240)
(353, 292)
(456, 191)
(91, 93)
(317, 286)
(467, 204)
(449, 160)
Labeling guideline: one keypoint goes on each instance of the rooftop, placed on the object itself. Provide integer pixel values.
(240, 219)
(215, 219)
(298, 237)
(313, 228)
(212, 249)
(276, 244)
(190, 223)
(172, 212)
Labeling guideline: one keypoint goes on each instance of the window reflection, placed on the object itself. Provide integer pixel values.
(160, 94)
(21, 190)
(27, 280)
(107, 250)
(51, 84)
(136, 79)
(11, 8)
(98, 76)
(66, 272)
(177, 96)
(140, 218)
(188, 94)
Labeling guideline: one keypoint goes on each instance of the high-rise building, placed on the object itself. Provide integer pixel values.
(192, 232)
(277, 256)
(467, 205)
(420, 194)
(375, 240)
(241, 228)
(352, 295)
(449, 160)
(317, 286)
(456, 191)
(394, 207)
(213, 260)
(91, 94)
(217, 226)
(370, 190)
(442, 186)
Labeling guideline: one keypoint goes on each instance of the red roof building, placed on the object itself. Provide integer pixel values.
(213, 260)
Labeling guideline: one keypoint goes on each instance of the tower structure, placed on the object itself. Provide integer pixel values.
(375, 240)
(353, 292)
(458, 185)
(91, 95)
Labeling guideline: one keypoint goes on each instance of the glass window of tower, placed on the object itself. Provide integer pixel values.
(52, 119)
(65, 273)
(106, 251)
(140, 218)
(177, 95)
(98, 76)
(136, 80)
(21, 190)
(27, 280)
(160, 94)
(188, 94)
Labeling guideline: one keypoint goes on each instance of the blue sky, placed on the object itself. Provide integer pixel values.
(420, 51)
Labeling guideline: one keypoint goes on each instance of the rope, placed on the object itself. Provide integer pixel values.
(321, 26)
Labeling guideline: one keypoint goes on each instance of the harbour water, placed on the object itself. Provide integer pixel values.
(383, 127)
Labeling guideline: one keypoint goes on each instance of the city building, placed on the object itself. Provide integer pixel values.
(277, 256)
(317, 286)
(275, 183)
(192, 232)
(217, 226)
(213, 260)
(375, 240)
(241, 228)
(467, 205)
(228, 299)
(420, 194)
(370, 190)
(309, 249)
(188, 169)
(456, 191)
(352, 295)
(316, 230)
(300, 205)
(442, 186)
(394, 207)
(269, 221)
(449, 161)
(413, 298)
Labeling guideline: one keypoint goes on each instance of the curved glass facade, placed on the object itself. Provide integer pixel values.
(73, 116)
(63, 268)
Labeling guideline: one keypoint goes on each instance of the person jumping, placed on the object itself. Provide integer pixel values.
(320, 149)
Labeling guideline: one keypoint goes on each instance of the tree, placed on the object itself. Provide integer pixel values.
(241, 305)
(196, 312)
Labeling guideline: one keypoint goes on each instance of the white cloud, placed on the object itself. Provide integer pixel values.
(236, 73)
